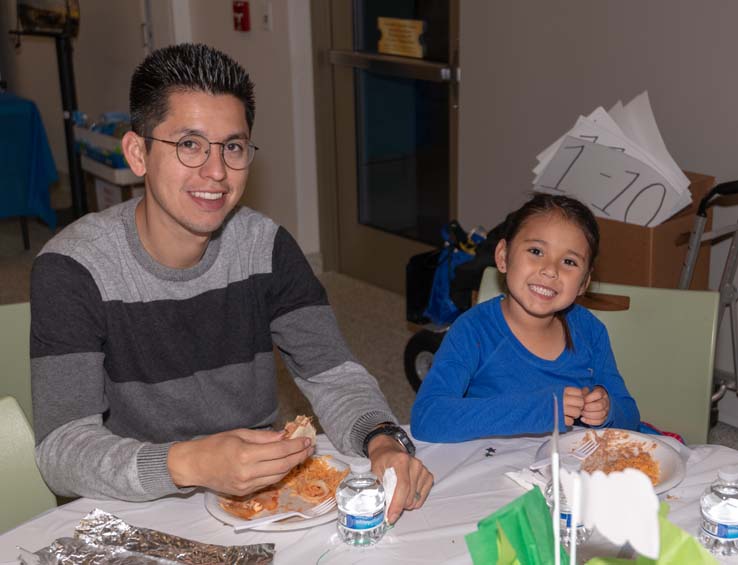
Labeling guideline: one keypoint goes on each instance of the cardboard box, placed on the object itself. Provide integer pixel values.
(635, 255)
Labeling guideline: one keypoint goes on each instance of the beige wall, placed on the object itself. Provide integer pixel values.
(110, 45)
(282, 182)
(531, 67)
(108, 48)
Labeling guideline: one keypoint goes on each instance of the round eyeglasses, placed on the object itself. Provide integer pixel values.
(194, 150)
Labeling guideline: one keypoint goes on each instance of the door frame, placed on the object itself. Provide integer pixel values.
(325, 133)
(325, 123)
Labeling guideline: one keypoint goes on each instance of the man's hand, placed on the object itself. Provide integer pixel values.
(236, 462)
(596, 407)
(414, 481)
(573, 403)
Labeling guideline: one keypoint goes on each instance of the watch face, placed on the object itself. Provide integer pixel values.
(403, 438)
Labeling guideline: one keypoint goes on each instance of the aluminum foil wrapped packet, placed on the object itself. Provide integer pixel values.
(103, 538)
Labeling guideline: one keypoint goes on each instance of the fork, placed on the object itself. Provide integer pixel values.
(314, 512)
(579, 454)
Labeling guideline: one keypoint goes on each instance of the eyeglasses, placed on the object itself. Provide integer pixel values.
(194, 150)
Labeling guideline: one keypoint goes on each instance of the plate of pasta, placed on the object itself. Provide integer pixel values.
(306, 486)
(621, 449)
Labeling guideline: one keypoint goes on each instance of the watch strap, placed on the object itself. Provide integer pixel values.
(389, 429)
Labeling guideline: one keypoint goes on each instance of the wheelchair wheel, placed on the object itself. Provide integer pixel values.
(419, 353)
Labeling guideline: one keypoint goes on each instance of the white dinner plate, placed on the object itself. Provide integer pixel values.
(671, 465)
(294, 523)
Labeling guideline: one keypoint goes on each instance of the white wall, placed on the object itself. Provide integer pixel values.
(531, 67)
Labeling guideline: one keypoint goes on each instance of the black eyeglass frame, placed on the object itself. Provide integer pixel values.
(210, 144)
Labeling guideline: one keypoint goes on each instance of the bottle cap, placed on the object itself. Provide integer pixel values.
(361, 466)
(729, 474)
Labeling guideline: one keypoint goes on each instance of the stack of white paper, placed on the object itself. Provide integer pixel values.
(616, 163)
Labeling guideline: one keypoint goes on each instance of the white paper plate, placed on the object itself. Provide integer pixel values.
(671, 465)
(294, 523)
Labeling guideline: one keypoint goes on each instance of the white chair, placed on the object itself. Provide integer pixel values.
(15, 363)
(22, 490)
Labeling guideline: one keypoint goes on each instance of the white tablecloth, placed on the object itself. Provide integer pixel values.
(468, 487)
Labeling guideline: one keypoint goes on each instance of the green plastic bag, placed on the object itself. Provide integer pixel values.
(677, 547)
(520, 532)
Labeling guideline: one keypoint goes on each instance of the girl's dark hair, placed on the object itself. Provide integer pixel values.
(568, 208)
(181, 68)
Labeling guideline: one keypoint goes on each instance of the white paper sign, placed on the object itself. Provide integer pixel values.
(622, 506)
(615, 185)
(643, 186)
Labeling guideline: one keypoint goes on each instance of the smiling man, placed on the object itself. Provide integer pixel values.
(154, 322)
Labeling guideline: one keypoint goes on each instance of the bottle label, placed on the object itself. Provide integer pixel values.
(353, 522)
(565, 520)
(718, 530)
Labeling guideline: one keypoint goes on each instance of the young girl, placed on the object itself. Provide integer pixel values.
(501, 362)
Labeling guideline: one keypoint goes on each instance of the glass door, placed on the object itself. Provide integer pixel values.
(395, 95)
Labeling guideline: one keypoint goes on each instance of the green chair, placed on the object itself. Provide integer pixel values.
(664, 345)
(15, 367)
(22, 490)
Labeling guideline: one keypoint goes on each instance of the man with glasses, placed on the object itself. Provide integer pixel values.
(154, 322)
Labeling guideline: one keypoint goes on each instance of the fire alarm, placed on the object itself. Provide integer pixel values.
(241, 17)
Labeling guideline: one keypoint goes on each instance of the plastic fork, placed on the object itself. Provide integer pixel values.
(314, 512)
(569, 459)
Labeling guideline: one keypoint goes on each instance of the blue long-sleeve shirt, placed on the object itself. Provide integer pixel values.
(484, 382)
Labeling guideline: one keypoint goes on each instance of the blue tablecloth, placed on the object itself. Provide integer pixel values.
(26, 163)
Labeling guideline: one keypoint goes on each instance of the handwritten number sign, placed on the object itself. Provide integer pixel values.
(614, 184)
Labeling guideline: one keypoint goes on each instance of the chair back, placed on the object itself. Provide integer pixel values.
(22, 490)
(15, 367)
(491, 285)
(664, 345)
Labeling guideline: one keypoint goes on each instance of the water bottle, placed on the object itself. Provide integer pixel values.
(565, 521)
(360, 499)
(719, 505)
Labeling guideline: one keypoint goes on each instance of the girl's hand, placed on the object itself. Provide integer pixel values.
(596, 407)
(573, 403)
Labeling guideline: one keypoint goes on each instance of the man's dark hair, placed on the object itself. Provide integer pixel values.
(181, 68)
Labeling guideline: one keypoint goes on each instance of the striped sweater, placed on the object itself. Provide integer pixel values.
(129, 356)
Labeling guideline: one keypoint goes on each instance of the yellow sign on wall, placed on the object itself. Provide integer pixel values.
(401, 37)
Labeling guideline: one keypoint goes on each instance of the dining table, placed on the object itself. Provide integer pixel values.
(470, 484)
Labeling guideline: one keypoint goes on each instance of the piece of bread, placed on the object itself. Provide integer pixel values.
(301, 426)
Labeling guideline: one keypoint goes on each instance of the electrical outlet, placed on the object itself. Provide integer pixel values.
(266, 15)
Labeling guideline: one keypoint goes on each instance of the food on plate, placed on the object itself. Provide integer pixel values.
(618, 450)
(301, 426)
(313, 481)
(247, 507)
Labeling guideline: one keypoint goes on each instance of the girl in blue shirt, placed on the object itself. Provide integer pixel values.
(501, 361)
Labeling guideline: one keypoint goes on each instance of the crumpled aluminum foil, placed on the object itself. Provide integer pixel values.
(104, 538)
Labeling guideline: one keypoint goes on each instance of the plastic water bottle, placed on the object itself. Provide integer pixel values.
(719, 505)
(360, 499)
(565, 521)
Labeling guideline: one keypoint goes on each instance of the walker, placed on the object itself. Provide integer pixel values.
(728, 291)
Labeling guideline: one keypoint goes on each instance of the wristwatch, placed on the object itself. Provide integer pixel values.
(389, 429)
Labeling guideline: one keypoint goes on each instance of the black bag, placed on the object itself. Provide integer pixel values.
(469, 275)
(419, 273)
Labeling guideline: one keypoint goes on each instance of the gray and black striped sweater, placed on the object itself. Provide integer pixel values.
(128, 356)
